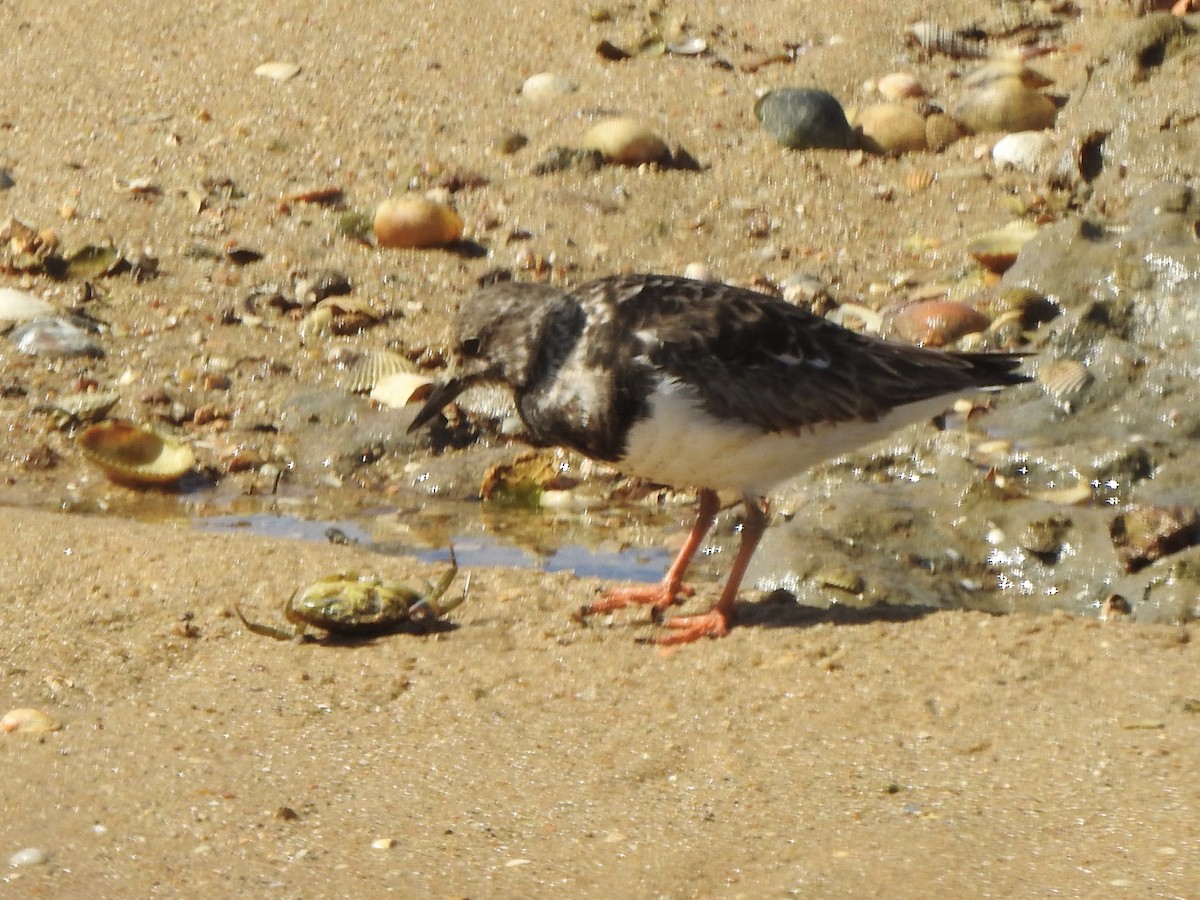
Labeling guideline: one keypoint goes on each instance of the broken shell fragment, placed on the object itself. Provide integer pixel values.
(417, 223)
(625, 141)
(135, 456)
(399, 389)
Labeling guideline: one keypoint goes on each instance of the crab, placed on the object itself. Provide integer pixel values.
(347, 603)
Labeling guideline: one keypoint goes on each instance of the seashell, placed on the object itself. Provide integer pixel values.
(933, 323)
(277, 71)
(804, 119)
(997, 250)
(918, 179)
(338, 315)
(415, 222)
(366, 372)
(934, 38)
(891, 128)
(21, 306)
(839, 578)
(53, 338)
(1005, 105)
(135, 456)
(82, 407)
(94, 261)
(1024, 150)
(545, 85)
(996, 69)
(1064, 379)
(625, 141)
(942, 130)
(399, 389)
(900, 86)
(28, 721)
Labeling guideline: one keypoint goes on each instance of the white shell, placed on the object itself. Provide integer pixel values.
(277, 71)
(1024, 150)
(544, 85)
(399, 389)
(21, 306)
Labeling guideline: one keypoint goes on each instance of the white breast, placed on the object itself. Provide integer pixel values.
(681, 444)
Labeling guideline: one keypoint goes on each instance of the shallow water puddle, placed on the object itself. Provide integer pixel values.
(472, 548)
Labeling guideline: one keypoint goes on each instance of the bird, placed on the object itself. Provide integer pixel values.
(697, 384)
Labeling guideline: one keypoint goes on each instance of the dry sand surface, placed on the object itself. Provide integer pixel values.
(517, 753)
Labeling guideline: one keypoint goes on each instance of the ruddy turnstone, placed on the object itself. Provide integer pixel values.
(700, 384)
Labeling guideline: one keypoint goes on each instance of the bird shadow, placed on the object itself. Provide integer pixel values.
(780, 610)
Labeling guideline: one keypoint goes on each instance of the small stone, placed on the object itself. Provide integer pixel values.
(416, 222)
(625, 141)
(30, 856)
(1005, 105)
(383, 844)
(805, 118)
(891, 128)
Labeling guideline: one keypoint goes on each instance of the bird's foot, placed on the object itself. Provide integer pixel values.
(713, 624)
(659, 597)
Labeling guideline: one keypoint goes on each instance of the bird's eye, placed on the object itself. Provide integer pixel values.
(470, 347)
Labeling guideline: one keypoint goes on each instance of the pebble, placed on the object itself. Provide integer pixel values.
(892, 129)
(545, 85)
(805, 118)
(53, 338)
(30, 856)
(625, 141)
(1005, 104)
(415, 222)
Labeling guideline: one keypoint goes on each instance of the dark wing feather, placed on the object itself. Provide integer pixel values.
(759, 359)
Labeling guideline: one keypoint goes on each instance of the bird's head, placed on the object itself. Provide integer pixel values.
(499, 339)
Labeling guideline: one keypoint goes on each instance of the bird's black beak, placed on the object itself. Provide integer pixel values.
(442, 394)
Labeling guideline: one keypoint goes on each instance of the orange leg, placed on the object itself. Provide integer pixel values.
(663, 594)
(718, 620)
